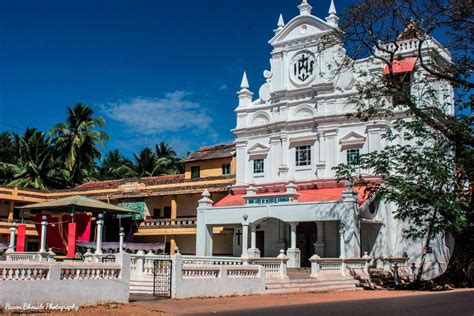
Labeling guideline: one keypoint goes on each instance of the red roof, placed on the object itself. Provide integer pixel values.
(401, 65)
(313, 195)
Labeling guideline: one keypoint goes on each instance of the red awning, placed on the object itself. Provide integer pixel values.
(315, 195)
(401, 65)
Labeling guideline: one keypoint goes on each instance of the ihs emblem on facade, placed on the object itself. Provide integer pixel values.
(303, 68)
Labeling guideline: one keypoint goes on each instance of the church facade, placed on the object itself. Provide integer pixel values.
(287, 141)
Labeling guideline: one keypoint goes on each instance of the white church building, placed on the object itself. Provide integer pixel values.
(288, 139)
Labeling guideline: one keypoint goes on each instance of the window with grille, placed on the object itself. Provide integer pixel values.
(303, 156)
(352, 156)
(258, 166)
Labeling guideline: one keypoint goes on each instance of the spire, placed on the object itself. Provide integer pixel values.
(244, 94)
(245, 83)
(332, 8)
(332, 19)
(280, 24)
(305, 8)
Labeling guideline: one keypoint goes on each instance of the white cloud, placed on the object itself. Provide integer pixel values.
(149, 116)
(223, 87)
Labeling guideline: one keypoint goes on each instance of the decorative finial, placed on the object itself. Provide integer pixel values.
(305, 8)
(332, 8)
(281, 22)
(332, 19)
(206, 193)
(245, 83)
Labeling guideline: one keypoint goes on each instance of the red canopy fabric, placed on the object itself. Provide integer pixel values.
(401, 65)
(57, 231)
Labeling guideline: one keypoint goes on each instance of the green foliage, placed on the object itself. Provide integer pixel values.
(70, 157)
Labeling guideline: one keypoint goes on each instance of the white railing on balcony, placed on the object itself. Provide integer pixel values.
(169, 223)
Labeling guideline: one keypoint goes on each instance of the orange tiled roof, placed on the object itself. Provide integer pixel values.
(312, 195)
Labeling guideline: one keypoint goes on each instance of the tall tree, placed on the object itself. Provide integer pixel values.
(172, 162)
(115, 166)
(147, 164)
(78, 140)
(430, 175)
(34, 165)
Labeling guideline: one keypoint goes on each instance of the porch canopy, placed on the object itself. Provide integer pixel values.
(77, 203)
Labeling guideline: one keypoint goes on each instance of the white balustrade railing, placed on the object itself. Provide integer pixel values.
(242, 271)
(88, 272)
(274, 267)
(200, 271)
(344, 266)
(29, 256)
(23, 272)
(212, 260)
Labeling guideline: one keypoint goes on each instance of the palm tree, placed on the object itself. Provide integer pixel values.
(6, 147)
(78, 141)
(147, 164)
(35, 165)
(115, 166)
(164, 150)
(172, 163)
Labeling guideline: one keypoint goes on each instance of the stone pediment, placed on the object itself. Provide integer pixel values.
(258, 150)
(352, 139)
(300, 27)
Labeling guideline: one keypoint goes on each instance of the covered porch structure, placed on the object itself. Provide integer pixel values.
(325, 228)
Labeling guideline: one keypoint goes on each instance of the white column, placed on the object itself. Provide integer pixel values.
(122, 235)
(11, 246)
(342, 242)
(100, 223)
(293, 253)
(253, 252)
(204, 233)
(245, 237)
(253, 236)
(320, 243)
(293, 235)
(44, 226)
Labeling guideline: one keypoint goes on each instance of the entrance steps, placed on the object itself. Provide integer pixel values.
(143, 286)
(300, 281)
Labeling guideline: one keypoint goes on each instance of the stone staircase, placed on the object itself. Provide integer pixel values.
(299, 281)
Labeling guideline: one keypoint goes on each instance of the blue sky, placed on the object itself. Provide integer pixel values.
(154, 69)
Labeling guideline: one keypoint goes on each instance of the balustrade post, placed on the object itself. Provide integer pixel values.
(315, 266)
(367, 262)
(149, 262)
(140, 262)
(283, 267)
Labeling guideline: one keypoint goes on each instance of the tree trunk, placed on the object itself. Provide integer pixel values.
(460, 270)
